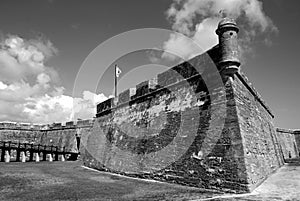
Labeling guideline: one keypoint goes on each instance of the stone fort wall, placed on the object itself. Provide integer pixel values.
(289, 141)
(64, 136)
(129, 137)
(184, 127)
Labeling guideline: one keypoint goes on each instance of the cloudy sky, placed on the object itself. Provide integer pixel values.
(45, 43)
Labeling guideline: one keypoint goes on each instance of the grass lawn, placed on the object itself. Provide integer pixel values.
(70, 181)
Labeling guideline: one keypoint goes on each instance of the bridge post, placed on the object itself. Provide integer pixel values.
(3, 152)
(7, 159)
(50, 157)
(37, 157)
(63, 158)
(23, 157)
(7, 156)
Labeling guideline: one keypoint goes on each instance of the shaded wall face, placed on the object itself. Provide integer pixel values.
(297, 139)
(261, 144)
(172, 135)
(288, 143)
(61, 137)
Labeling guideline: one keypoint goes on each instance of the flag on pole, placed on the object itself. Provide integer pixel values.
(117, 74)
(118, 71)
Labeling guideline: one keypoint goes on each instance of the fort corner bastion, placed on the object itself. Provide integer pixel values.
(185, 127)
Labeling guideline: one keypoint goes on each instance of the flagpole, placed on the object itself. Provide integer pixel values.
(116, 81)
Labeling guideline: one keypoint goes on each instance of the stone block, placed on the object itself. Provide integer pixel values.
(83, 123)
(105, 105)
(153, 84)
(56, 126)
(70, 124)
(142, 89)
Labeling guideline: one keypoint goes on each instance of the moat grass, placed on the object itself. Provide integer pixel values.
(70, 181)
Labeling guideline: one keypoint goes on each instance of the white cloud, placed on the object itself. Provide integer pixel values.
(61, 108)
(20, 59)
(94, 98)
(203, 39)
(198, 19)
(28, 87)
(205, 35)
(183, 13)
(2, 85)
(43, 78)
(85, 107)
(48, 109)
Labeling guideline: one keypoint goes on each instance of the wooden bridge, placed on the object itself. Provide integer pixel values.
(7, 147)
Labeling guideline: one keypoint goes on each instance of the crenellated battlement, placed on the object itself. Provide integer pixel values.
(43, 127)
(20, 126)
(174, 76)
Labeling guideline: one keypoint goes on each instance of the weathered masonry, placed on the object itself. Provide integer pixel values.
(289, 142)
(63, 138)
(184, 127)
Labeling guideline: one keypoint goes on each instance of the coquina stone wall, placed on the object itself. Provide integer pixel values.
(289, 142)
(262, 154)
(63, 136)
(297, 139)
(174, 130)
